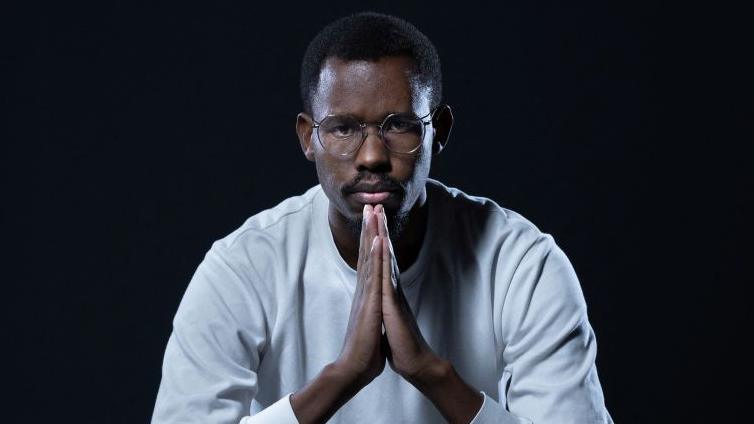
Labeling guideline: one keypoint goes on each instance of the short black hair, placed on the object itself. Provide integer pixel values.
(370, 36)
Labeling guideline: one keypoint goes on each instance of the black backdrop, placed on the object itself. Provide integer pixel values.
(138, 134)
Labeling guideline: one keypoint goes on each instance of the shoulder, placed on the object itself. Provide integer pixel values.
(483, 219)
(517, 252)
(236, 280)
(258, 247)
(532, 275)
(289, 215)
(288, 221)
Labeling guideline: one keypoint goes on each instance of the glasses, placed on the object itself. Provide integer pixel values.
(342, 135)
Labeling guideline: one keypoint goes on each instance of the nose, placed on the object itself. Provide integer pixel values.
(373, 153)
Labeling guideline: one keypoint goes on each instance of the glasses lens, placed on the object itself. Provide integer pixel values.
(403, 133)
(339, 134)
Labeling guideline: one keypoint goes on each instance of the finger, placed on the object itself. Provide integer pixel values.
(387, 271)
(384, 229)
(367, 265)
(372, 224)
(374, 281)
(369, 310)
(364, 284)
(362, 263)
(373, 290)
(364, 239)
(380, 215)
(391, 260)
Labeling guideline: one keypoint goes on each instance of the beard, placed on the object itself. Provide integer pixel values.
(396, 223)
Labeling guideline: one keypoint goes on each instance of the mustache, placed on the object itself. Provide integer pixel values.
(372, 183)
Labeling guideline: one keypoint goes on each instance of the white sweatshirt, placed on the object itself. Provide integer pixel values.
(268, 307)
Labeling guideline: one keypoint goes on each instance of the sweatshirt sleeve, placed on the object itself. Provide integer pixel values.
(279, 412)
(492, 412)
(549, 352)
(219, 332)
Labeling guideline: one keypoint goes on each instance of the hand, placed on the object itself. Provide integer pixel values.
(362, 356)
(378, 301)
(409, 354)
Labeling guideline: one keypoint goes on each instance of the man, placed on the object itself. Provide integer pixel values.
(293, 316)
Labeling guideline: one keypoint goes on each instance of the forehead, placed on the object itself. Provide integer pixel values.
(369, 89)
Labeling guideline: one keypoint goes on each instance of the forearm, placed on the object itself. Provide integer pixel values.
(457, 401)
(324, 395)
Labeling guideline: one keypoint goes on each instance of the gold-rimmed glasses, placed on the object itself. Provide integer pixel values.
(342, 135)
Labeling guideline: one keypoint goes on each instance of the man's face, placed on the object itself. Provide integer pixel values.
(370, 91)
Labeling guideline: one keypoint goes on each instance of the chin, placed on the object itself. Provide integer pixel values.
(397, 218)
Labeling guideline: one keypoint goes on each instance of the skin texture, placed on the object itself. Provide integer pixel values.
(371, 91)
(367, 238)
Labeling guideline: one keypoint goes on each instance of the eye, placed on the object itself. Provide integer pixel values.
(339, 128)
(342, 131)
(402, 124)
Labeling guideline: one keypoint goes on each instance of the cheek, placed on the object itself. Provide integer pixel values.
(328, 174)
(424, 161)
(416, 182)
(324, 174)
(420, 165)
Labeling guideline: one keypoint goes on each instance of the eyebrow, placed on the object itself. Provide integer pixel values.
(361, 118)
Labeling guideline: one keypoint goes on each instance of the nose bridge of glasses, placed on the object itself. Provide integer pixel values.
(381, 142)
(365, 129)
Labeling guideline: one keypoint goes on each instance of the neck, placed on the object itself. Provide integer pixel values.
(406, 246)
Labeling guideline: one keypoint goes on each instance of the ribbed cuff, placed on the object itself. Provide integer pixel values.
(280, 412)
(492, 412)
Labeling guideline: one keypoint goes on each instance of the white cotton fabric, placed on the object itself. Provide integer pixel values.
(268, 307)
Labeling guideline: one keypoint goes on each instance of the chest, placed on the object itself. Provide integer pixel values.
(455, 320)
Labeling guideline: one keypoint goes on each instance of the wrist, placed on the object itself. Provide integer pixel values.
(457, 401)
(341, 374)
(324, 395)
(434, 373)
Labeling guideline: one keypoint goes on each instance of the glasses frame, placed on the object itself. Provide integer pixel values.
(381, 133)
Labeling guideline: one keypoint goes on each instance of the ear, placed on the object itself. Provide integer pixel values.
(442, 121)
(304, 130)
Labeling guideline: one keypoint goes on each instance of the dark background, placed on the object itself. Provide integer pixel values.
(139, 134)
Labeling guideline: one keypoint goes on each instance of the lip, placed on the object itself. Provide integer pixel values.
(371, 198)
